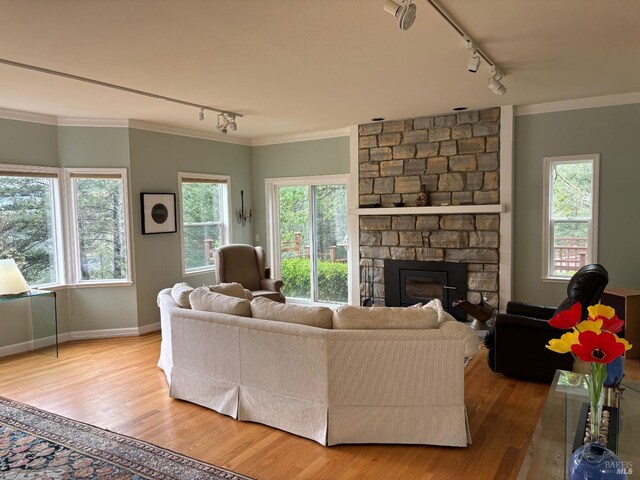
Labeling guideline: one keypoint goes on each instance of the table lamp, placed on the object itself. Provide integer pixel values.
(11, 280)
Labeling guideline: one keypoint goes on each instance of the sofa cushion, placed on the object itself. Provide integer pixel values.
(180, 293)
(443, 316)
(286, 312)
(230, 289)
(457, 329)
(204, 299)
(350, 317)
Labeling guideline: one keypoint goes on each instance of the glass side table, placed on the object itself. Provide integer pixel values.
(43, 329)
(551, 446)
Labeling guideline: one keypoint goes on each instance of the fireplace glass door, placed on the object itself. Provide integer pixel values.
(421, 286)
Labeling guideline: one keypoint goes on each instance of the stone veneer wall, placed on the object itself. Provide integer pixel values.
(457, 157)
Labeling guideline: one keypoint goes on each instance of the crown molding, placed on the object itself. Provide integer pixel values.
(186, 132)
(9, 114)
(578, 104)
(92, 122)
(300, 137)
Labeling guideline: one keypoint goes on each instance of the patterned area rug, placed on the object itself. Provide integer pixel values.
(35, 444)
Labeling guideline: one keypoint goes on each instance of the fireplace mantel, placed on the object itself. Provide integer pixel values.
(437, 210)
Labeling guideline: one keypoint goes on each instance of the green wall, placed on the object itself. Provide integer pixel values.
(26, 143)
(102, 307)
(153, 161)
(297, 159)
(156, 159)
(613, 133)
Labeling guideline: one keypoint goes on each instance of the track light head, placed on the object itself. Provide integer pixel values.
(474, 63)
(495, 85)
(474, 60)
(226, 122)
(404, 12)
(201, 114)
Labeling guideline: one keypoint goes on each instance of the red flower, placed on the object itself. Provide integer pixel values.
(600, 348)
(567, 319)
(613, 325)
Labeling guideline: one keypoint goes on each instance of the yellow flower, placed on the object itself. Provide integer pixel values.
(627, 345)
(563, 344)
(599, 310)
(593, 325)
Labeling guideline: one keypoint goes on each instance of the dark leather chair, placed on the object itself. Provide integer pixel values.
(245, 264)
(516, 342)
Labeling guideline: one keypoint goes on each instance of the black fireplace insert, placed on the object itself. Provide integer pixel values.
(407, 282)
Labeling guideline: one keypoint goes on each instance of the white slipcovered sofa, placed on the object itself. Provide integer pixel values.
(331, 386)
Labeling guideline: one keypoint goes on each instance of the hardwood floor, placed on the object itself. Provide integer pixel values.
(115, 384)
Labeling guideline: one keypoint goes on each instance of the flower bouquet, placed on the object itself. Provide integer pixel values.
(595, 342)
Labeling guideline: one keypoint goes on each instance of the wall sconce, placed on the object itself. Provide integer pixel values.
(243, 215)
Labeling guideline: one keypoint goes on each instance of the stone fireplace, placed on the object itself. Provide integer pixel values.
(457, 157)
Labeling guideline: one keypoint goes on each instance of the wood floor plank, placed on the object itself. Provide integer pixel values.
(116, 384)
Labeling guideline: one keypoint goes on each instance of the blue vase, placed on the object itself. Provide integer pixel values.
(615, 372)
(595, 462)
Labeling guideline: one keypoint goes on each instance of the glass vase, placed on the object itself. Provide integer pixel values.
(592, 461)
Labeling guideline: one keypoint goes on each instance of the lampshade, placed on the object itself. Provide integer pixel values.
(11, 280)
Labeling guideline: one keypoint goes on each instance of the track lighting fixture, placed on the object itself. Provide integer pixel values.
(231, 116)
(474, 60)
(495, 85)
(226, 122)
(405, 12)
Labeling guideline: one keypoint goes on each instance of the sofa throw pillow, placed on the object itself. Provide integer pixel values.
(205, 300)
(349, 317)
(180, 293)
(229, 289)
(457, 329)
(286, 312)
(443, 316)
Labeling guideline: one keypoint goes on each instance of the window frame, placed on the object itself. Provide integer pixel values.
(273, 223)
(547, 215)
(57, 215)
(225, 216)
(73, 249)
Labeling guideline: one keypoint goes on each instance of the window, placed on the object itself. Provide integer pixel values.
(29, 229)
(308, 237)
(94, 247)
(204, 206)
(100, 220)
(570, 214)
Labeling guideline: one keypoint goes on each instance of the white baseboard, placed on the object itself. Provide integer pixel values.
(30, 345)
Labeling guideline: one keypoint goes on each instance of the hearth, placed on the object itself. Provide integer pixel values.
(407, 282)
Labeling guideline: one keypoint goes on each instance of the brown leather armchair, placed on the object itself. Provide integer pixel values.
(245, 264)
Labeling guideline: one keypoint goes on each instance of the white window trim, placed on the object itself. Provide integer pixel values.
(546, 212)
(62, 225)
(57, 215)
(271, 186)
(73, 253)
(227, 231)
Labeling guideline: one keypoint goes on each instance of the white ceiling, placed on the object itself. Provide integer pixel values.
(308, 65)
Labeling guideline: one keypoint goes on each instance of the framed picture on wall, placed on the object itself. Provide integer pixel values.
(158, 213)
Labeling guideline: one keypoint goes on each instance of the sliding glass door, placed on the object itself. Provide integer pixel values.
(311, 240)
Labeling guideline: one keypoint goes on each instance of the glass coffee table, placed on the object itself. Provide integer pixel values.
(551, 446)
